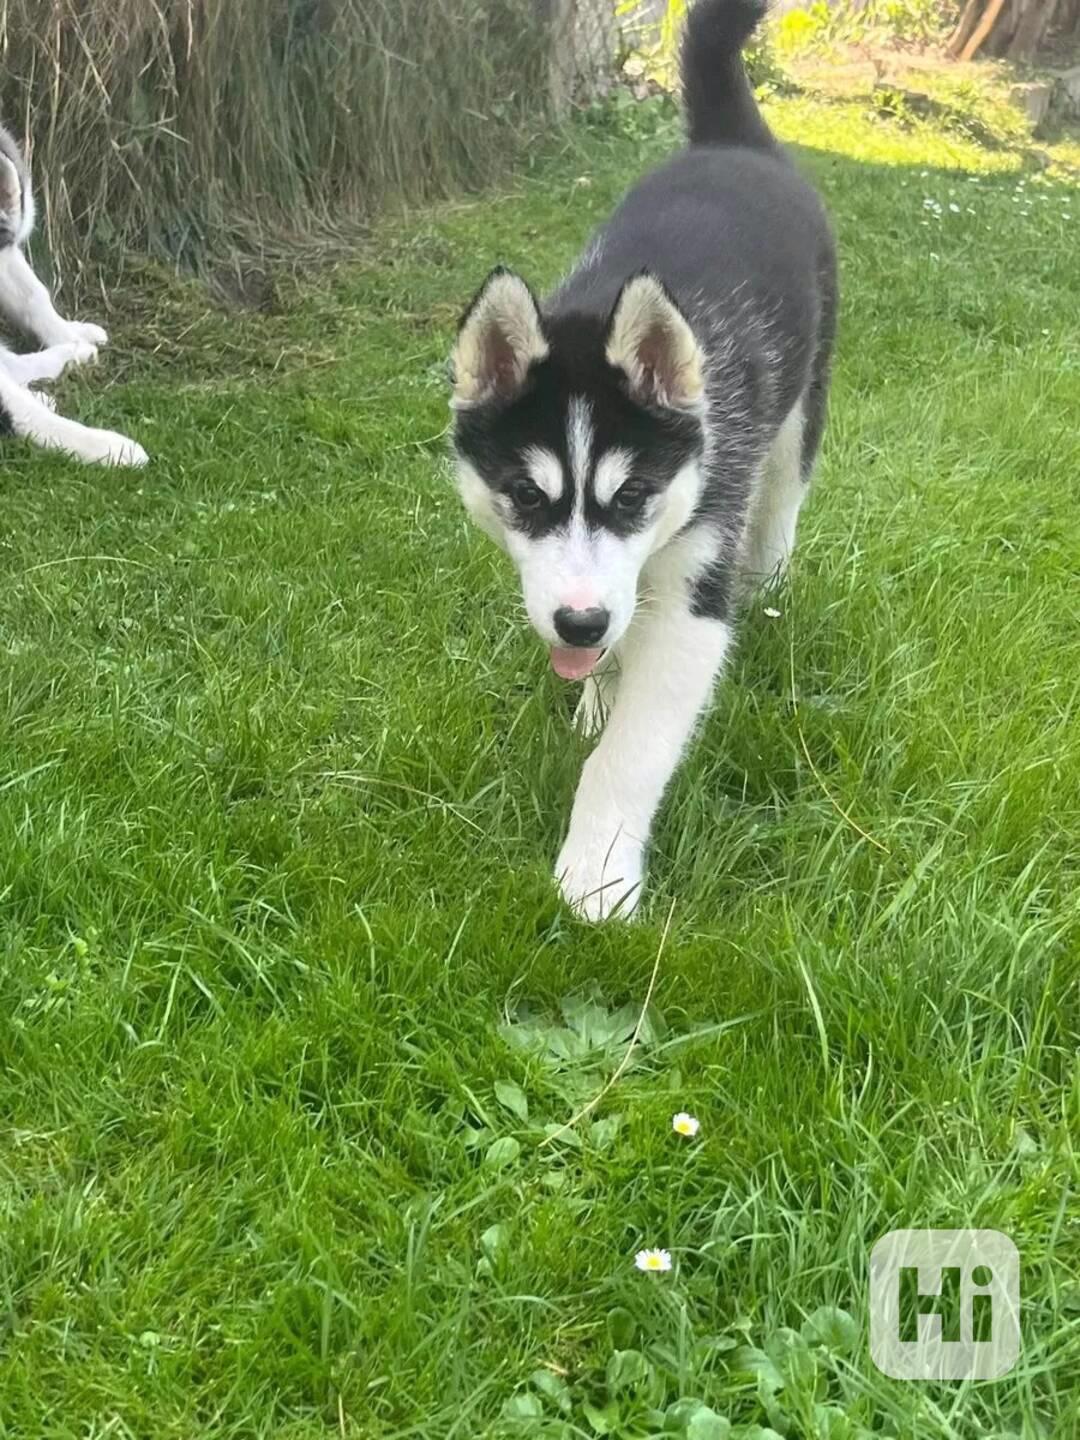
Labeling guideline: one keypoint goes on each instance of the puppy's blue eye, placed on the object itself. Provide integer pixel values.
(527, 496)
(630, 497)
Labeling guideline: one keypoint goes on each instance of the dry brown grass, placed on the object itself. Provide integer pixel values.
(184, 127)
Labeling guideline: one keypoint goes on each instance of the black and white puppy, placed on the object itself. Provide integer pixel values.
(641, 441)
(27, 304)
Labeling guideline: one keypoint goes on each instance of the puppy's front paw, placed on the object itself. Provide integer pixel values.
(55, 360)
(106, 447)
(88, 334)
(84, 352)
(123, 451)
(600, 874)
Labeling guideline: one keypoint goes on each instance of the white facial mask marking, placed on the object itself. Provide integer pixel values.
(545, 471)
(612, 473)
(677, 503)
(579, 442)
(479, 500)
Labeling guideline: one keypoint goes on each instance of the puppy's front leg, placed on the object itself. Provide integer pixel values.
(47, 364)
(668, 665)
(27, 303)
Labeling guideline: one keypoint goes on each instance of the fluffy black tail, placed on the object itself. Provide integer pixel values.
(719, 103)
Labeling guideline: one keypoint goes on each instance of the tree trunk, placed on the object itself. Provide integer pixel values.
(1034, 23)
(982, 30)
(1013, 28)
(964, 26)
(582, 49)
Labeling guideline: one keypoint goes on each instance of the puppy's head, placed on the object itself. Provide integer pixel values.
(578, 442)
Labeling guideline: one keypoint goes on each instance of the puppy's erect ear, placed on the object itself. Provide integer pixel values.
(650, 340)
(500, 337)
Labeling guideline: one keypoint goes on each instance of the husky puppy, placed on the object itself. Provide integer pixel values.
(26, 302)
(641, 441)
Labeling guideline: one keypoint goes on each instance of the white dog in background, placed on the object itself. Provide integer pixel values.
(26, 303)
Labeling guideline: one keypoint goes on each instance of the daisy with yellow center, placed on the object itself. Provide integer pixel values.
(684, 1124)
(653, 1260)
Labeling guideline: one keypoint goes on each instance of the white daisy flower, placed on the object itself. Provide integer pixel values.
(684, 1124)
(653, 1260)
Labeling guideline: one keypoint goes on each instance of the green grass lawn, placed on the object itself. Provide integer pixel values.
(288, 1003)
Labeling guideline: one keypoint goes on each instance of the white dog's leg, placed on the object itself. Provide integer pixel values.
(29, 418)
(783, 490)
(667, 668)
(47, 364)
(27, 303)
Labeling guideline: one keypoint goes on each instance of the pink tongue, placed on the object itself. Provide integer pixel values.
(572, 663)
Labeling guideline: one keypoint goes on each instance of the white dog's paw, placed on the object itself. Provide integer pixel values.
(123, 451)
(55, 360)
(47, 364)
(600, 875)
(83, 352)
(106, 447)
(93, 335)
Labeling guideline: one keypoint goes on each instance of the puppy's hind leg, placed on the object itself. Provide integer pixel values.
(22, 413)
(783, 487)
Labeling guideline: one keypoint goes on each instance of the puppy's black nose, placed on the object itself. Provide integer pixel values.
(581, 627)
